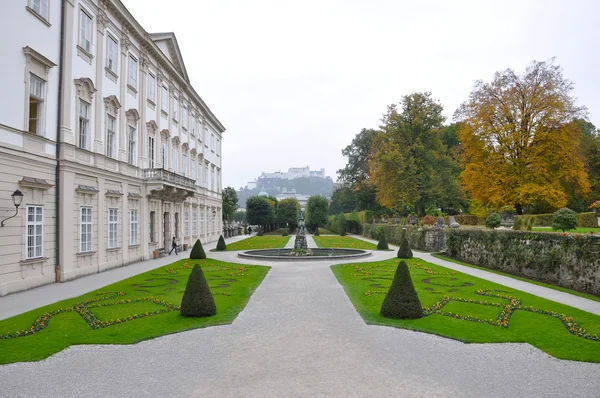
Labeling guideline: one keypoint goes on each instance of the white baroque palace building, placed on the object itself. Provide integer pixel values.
(100, 129)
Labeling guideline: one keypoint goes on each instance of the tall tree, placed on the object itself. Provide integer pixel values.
(590, 148)
(356, 172)
(316, 211)
(288, 211)
(409, 164)
(230, 200)
(519, 145)
(343, 200)
(259, 211)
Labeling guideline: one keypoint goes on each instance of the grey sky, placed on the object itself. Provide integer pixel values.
(294, 81)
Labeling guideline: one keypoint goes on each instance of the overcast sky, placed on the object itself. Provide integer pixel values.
(294, 81)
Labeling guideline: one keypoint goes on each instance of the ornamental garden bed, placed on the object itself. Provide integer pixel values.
(474, 310)
(258, 242)
(135, 309)
(343, 242)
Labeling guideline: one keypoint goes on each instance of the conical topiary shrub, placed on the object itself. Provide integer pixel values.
(404, 251)
(197, 300)
(197, 252)
(260, 232)
(402, 301)
(382, 244)
(221, 246)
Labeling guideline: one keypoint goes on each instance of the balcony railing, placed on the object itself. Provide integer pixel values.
(169, 177)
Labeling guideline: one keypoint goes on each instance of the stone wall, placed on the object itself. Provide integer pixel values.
(421, 238)
(571, 261)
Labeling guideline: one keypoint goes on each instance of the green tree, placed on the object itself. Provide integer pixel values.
(590, 148)
(564, 219)
(409, 164)
(316, 211)
(493, 221)
(239, 215)
(343, 200)
(259, 211)
(402, 301)
(356, 173)
(230, 203)
(288, 211)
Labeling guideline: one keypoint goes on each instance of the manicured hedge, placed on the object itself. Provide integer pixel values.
(571, 261)
(586, 220)
(466, 219)
(420, 238)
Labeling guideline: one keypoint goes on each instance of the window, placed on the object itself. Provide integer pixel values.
(176, 225)
(218, 180)
(212, 179)
(111, 143)
(164, 99)
(194, 223)
(202, 222)
(35, 231)
(175, 107)
(85, 31)
(85, 230)
(152, 221)
(36, 104)
(113, 55)
(133, 228)
(212, 142)
(165, 155)
(200, 173)
(150, 152)
(186, 223)
(132, 72)
(184, 165)
(151, 88)
(131, 148)
(84, 124)
(193, 169)
(113, 228)
(40, 7)
(184, 120)
(218, 149)
(206, 176)
(175, 160)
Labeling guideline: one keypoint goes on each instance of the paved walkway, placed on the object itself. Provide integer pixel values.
(300, 336)
(20, 302)
(541, 291)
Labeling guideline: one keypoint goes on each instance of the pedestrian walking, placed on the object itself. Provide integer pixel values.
(174, 247)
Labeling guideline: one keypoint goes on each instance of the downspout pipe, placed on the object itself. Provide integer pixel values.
(57, 267)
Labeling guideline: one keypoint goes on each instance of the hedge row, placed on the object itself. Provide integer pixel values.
(570, 261)
(584, 220)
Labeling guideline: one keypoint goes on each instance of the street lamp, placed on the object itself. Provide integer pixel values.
(17, 198)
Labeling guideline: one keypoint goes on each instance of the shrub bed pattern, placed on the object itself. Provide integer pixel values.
(28, 336)
(448, 296)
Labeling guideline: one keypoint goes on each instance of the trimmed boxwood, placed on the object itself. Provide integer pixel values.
(197, 252)
(221, 246)
(404, 250)
(402, 301)
(197, 299)
(382, 244)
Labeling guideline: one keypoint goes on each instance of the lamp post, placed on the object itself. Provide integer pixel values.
(17, 198)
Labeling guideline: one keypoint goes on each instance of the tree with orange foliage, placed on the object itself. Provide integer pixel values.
(519, 146)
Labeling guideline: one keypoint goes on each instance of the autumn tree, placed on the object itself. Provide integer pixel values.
(519, 146)
(356, 173)
(409, 164)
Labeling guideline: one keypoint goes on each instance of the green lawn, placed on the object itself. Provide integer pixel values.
(474, 310)
(559, 288)
(343, 242)
(259, 242)
(135, 309)
(579, 230)
(324, 231)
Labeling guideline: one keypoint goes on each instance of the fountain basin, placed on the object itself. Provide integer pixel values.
(317, 254)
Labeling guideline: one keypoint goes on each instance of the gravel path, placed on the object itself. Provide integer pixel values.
(300, 336)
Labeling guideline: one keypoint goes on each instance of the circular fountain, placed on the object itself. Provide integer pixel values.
(301, 252)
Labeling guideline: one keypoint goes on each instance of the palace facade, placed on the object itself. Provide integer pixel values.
(113, 149)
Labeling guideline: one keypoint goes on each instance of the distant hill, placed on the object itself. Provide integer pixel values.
(276, 186)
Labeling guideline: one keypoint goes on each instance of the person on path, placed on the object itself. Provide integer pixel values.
(174, 247)
(249, 230)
